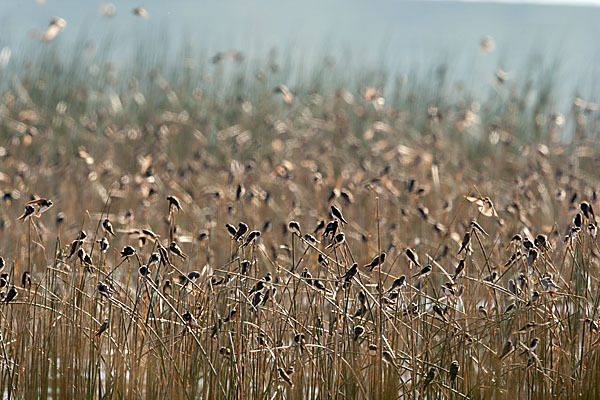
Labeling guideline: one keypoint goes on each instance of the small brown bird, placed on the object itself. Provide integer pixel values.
(104, 289)
(107, 227)
(485, 205)
(448, 289)
(149, 234)
(372, 349)
(175, 249)
(389, 358)
(533, 360)
(483, 311)
(154, 260)
(429, 377)
(285, 377)
(26, 280)
(174, 203)
(102, 328)
(440, 312)
(225, 351)
(542, 243)
(140, 12)
(29, 210)
(167, 288)
(231, 315)
(42, 205)
(508, 347)
(56, 25)
(287, 95)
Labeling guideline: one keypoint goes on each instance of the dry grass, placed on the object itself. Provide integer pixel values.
(399, 172)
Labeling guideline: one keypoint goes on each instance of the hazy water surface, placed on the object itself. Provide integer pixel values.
(398, 36)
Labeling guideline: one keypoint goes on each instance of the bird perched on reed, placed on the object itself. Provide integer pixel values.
(174, 204)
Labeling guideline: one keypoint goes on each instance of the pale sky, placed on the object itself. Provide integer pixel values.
(557, 2)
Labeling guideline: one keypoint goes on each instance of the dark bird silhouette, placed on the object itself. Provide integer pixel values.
(127, 251)
(26, 280)
(29, 210)
(412, 256)
(42, 205)
(231, 230)
(331, 228)
(459, 268)
(397, 283)
(102, 328)
(242, 229)
(350, 273)
(319, 227)
(174, 203)
(10, 296)
(175, 249)
(144, 271)
(104, 244)
(285, 377)
(104, 290)
(311, 239)
(476, 227)
(426, 270)
(465, 243)
(294, 227)
(358, 331)
(429, 377)
(453, 370)
(251, 237)
(338, 214)
(338, 239)
(378, 260)
(107, 227)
